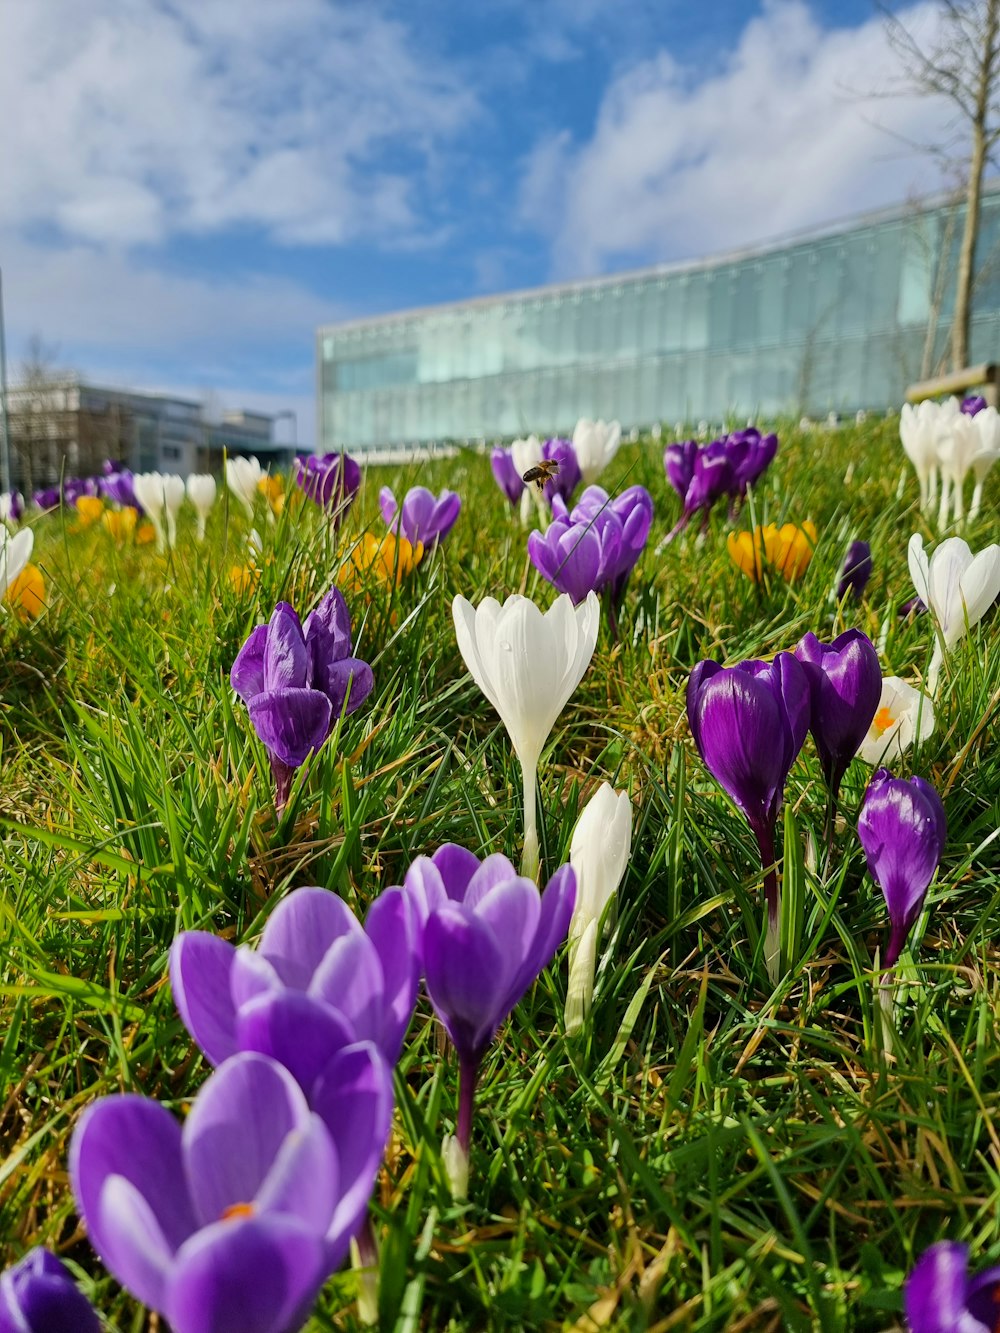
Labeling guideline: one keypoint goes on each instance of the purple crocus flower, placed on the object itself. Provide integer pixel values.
(973, 404)
(855, 571)
(570, 556)
(330, 480)
(48, 497)
(845, 686)
(942, 1297)
(902, 828)
(317, 982)
(749, 722)
(296, 681)
(74, 488)
(424, 517)
(755, 459)
(39, 1296)
(235, 1219)
(678, 463)
(711, 477)
(596, 546)
(505, 474)
(117, 486)
(568, 477)
(487, 934)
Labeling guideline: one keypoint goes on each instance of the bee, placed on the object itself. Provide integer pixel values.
(542, 472)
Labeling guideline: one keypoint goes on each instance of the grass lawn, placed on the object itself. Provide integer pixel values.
(712, 1151)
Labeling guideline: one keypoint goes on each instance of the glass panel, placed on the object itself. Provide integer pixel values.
(694, 332)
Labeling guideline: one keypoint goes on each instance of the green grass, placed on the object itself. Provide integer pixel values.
(711, 1152)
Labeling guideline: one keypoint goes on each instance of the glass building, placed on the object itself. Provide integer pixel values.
(832, 320)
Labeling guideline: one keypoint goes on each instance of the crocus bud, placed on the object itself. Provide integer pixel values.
(39, 1296)
(749, 722)
(455, 1159)
(242, 478)
(527, 664)
(505, 474)
(201, 491)
(941, 1295)
(902, 829)
(845, 683)
(855, 571)
(598, 853)
(957, 586)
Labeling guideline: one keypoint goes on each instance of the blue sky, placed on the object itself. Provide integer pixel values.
(191, 186)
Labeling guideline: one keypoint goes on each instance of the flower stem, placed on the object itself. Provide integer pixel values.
(468, 1075)
(283, 776)
(772, 899)
(529, 857)
(364, 1260)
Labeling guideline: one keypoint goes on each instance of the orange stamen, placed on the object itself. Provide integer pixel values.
(237, 1210)
(883, 720)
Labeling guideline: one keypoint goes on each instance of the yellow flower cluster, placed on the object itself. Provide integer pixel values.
(787, 550)
(386, 560)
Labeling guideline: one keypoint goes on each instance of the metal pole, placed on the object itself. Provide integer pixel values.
(5, 477)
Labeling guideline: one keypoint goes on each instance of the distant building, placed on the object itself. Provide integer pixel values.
(836, 320)
(69, 427)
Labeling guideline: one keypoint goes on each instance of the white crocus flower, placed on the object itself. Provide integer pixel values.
(527, 453)
(988, 424)
(918, 433)
(527, 664)
(201, 492)
(598, 853)
(904, 715)
(957, 587)
(243, 479)
(161, 495)
(960, 443)
(15, 552)
(595, 443)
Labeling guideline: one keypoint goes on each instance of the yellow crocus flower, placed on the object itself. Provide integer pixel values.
(787, 549)
(120, 523)
(385, 560)
(26, 593)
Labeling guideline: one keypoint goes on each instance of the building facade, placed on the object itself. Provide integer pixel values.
(833, 320)
(69, 427)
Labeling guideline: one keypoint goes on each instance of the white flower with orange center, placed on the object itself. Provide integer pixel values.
(903, 716)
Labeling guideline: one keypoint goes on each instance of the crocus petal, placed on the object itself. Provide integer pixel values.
(38, 1295)
(304, 1178)
(350, 979)
(286, 659)
(387, 504)
(299, 1032)
(494, 870)
(980, 584)
(291, 723)
(456, 866)
(391, 925)
(465, 975)
(556, 913)
(935, 1290)
(347, 683)
(300, 931)
(236, 1127)
(201, 979)
(138, 1141)
(354, 1100)
(328, 629)
(254, 1275)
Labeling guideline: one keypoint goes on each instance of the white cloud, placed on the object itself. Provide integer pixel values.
(770, 140)
(138, 120)
(116, 319)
